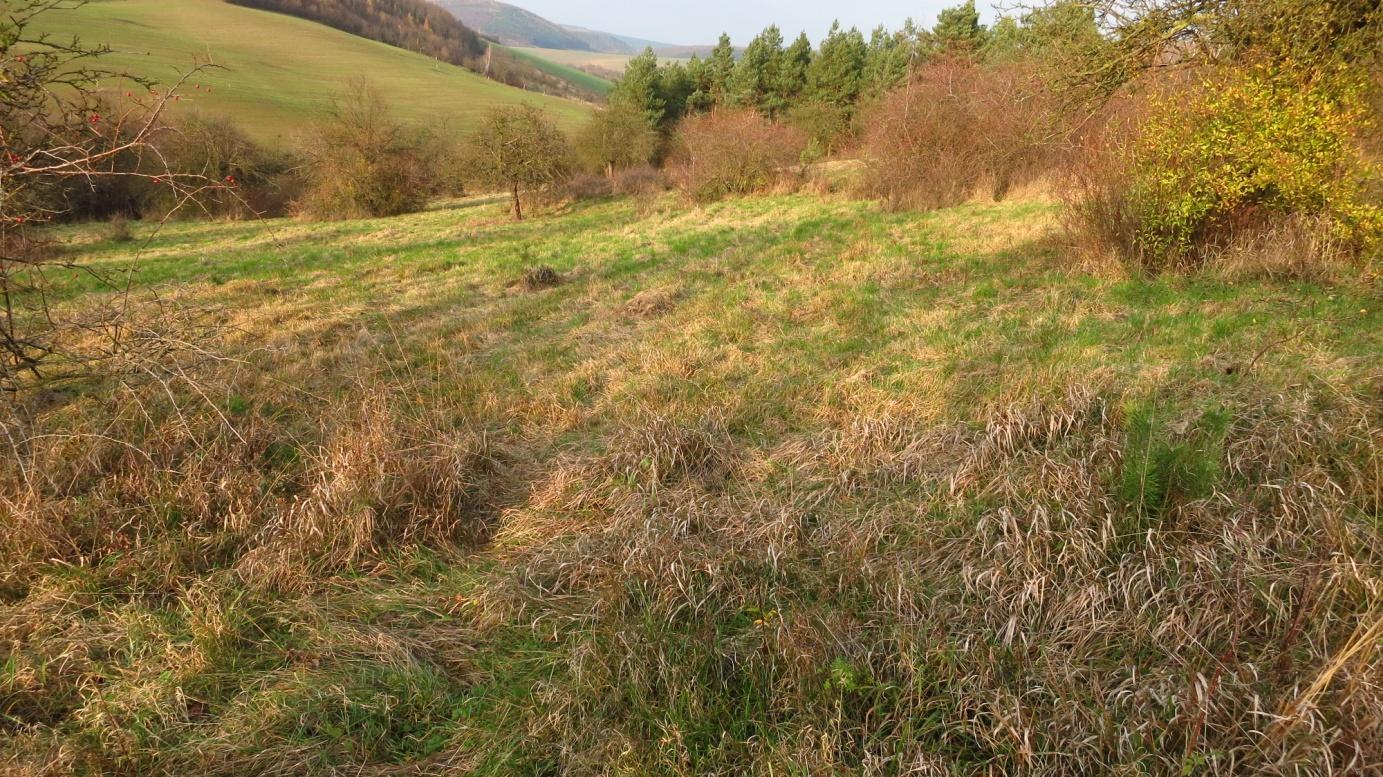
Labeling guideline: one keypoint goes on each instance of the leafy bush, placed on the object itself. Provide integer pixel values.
(361, 163)
(1224, 159)
(730, 152)
(954, 128)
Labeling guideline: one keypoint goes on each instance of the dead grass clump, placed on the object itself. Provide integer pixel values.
(386, 479)
(1298, 246)
(1033, 625)
(733, 152)
(539, 277)
(651, 303)
(200, 489)
(663, 452)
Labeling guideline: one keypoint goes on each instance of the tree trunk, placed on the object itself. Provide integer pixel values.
(518, 207)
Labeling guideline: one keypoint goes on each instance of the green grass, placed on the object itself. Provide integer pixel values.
(581, 78)
(280, 73)
(782, 485)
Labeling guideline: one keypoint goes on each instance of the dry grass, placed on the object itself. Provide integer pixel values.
(773, 486)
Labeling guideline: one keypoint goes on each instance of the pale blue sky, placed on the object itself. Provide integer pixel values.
(702, 21)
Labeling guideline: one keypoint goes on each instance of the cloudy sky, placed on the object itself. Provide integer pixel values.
(702, 21)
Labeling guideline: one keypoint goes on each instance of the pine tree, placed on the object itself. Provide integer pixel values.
(640, 86)
(702, 97)
(797, 60)
(835, 76)
(754, 80)
(959, 30)
(719, 68)
(792, 75)
(886, 64)
(675, 88)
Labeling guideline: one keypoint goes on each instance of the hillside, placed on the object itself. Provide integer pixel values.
(515, 26)
(425, 28)
(780, 486)
(280, 72)
(590, 80)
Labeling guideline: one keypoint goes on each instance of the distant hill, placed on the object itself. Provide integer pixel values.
(280, 73)
(515, 26)
(421, 26)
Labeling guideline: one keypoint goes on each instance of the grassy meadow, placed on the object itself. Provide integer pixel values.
(785, 485)
(275, 71)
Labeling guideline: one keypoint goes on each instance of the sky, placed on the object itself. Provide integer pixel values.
(702, 21)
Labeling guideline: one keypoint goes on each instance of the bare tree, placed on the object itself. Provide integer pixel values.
(517, 148)
(68, 125)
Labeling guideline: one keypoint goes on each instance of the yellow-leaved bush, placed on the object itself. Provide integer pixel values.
(1242, 152)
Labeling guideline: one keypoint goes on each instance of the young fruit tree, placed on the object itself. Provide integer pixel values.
(68, 129)
(519, 149)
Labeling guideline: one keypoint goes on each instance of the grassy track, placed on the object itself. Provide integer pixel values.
(776, 486)
(282, 72)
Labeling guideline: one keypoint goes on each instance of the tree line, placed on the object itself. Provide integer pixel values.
(820, 88)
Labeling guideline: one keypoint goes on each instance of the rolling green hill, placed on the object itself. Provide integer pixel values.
(280, 73)
(568, 73)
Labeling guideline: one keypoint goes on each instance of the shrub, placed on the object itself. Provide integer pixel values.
(361, 163)
(641, 181)
(518, 149)
(583, 186)
(729, 152)
(118, 229)
(615, 138)
(955, 127)
(258, 181)
(1232, 156)
(826, 125)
